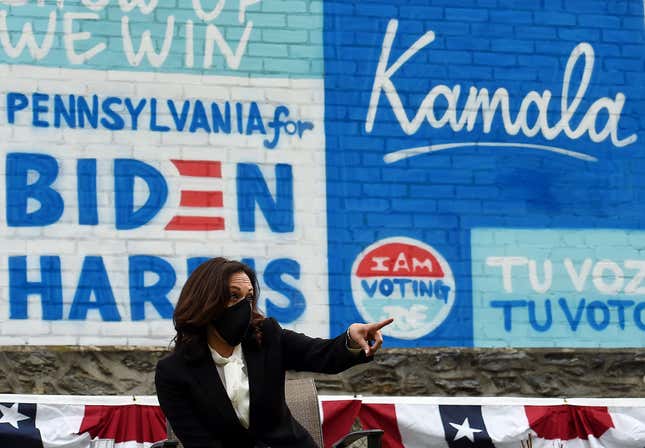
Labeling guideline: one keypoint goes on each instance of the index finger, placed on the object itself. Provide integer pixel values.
(383, 323)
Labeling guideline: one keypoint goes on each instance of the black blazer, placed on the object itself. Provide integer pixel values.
(195, 402)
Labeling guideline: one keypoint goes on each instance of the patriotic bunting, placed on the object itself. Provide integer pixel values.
(421, 422)
(32, 421)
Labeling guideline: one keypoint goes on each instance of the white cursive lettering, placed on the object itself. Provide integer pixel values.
(480, 103)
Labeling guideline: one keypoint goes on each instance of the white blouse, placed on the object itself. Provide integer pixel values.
(232, 372)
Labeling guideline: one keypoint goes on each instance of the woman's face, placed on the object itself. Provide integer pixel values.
(240, 287)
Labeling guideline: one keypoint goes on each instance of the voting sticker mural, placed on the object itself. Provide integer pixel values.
(404, 279)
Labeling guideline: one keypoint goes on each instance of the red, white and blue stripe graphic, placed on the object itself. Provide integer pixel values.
(207, 199)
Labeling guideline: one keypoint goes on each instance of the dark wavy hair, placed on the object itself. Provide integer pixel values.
(203, 298)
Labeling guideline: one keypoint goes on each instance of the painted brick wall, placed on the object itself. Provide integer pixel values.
(502, 140)
(473, 170)
(140, 138)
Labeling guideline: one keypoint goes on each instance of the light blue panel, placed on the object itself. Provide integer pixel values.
(596, 294)
(284, 41)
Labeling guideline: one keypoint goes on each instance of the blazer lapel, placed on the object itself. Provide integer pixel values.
(255, 371)
(206, 374)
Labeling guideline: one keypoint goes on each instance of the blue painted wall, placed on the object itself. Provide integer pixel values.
(441, 179)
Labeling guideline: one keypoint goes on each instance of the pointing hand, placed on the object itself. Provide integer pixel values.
(362, 335)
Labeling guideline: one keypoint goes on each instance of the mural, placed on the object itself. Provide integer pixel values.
(559, 288)
(140, 139)
(473, 171)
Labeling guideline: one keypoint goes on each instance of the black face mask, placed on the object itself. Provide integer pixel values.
(234, 322)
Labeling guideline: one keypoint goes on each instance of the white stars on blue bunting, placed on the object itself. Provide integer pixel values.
(464, 430)
(11, 415)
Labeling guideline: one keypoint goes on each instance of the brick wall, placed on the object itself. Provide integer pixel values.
(503, 139)
(472, 170)
(126, 169)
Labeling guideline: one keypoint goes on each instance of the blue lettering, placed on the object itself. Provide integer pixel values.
(273, 279)
(68, 113)
(290, 127)
(19, 190)
(304, 126)
(86, 187)
(85, 112)
(153, 118)
(591, 315)
(533, 320)
(125, 172)
(194, 262)
(95, 293)
(250, 262)
(134, 111)
(254, 122)
(38, 108)
(574, 321)
(252, 189)
(180, 120)
(113, 120)
(15, 102)
(386, 287)
(219, 121)
(620, 307)
(507, 306)
(199, 121)
(441, 290)
(156, 294)
(276, 124)
(49, 288)
(94, 279)
(401, 282)
(425, 288)
(238, 115)
(638, 316)
(369, 289)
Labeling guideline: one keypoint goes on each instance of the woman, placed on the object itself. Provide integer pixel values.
(223, 385)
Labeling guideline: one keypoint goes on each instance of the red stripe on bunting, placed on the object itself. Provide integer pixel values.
(382, 416)
(566, 422)
(338, 417)
(130, 423)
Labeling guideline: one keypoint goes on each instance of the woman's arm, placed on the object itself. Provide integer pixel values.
(173, 399)
(301, 352)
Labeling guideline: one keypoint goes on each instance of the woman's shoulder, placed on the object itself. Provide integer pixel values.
(270, 323)
(180, 358)
(169, 361)
(270, 331)
(270, 327)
